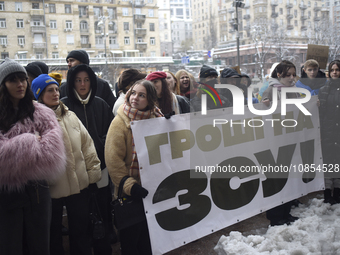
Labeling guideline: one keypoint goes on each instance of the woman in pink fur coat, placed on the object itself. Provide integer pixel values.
(31, 154)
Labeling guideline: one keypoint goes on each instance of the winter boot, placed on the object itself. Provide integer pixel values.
(336, 195)
(328, 197)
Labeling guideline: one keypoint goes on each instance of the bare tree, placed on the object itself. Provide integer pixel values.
(187, 45)
(210, 39)
(263, 40)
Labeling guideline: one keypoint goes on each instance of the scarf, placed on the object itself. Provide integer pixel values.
(135, 114)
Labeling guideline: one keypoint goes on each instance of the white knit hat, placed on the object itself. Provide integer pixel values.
(9, 66)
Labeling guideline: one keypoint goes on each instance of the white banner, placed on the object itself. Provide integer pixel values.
(240, 167)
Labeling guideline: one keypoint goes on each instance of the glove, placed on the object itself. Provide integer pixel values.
(168, 115)
(93, 187)
(138, 191)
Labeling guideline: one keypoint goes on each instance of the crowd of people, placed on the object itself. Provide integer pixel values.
(68, 145)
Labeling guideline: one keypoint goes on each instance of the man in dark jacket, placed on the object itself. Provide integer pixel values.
(96, 116)
(208, 79)
(77, 57)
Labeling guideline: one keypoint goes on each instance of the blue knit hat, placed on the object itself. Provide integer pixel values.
(40, 83)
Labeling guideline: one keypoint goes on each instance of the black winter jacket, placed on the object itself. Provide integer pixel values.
(96, 115)
(103, 91)
(329, 110)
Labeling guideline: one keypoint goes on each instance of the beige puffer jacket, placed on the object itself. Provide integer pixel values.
(82, 165)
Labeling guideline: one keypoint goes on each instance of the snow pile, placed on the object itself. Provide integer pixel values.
(317, 232)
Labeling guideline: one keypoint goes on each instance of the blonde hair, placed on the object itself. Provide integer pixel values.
(178, 76)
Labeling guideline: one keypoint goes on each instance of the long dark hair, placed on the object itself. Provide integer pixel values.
(331, 64)
(282, 68)
(151, 93)
(165, 102)
(8, 115)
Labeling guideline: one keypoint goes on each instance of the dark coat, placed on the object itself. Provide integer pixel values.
(96, 115)
(183, 103)
(329, 96)
(103, 91)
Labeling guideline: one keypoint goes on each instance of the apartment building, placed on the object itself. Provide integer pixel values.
(33, 29)
(165, 27)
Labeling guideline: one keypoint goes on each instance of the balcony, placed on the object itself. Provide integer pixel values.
(139, 3)
(140, 17)
(141, 45)
(37, 12)
(274, 15)
(304, 17)
(115, 31)
(259, 2)
(114, 46)
(289, 16)
(98, 30)
(303, 6)
(289, 6)
(86, 45)
(274, 3)
(316, 18)
(325, 9)
(247, 16)
(83, 15)
(231, 21)
(247, 27)
(231, 10)
(38, 29)
(40, 45)
(84, 30)
(316, 8)
(290, 27)
(231, 30)
(303, 28)
(140, 31)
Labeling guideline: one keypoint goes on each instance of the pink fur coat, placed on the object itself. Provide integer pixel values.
(24, 158)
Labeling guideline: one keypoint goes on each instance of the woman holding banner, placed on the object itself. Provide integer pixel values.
(329, 96)
(282, 76)
(121, 159)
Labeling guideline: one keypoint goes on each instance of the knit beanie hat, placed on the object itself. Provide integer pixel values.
(80, 55)
(156, 75)
(207, 71)
(40, 83)
(42, 65)
(9, 66)
(33, 69)
(128, 78)
(57, 76)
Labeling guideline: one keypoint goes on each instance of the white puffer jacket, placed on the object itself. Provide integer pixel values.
(82, 164)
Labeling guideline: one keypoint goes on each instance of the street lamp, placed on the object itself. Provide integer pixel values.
(238, 4)
(101, 22)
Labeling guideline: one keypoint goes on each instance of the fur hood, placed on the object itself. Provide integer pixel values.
(24, 158)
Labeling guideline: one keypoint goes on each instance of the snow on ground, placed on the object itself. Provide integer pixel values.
(317, 232)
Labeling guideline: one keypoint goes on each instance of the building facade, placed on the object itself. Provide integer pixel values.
(50, 29)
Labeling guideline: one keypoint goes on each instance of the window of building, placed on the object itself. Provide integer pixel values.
(166, 36)
(36, 22)
(112, 40)
(125, 11)
(68, 24)
(295, 23)
(139, 25)
(18, 7)
(83, 25)
(150, 1)
(2, 5)
(139, 39)
(4, 55)
(68, 8)
(84, 39)
(54, 39)
(187, 12)
(82, 11)
(22, 55)
(151, 14)
(309, 4)
(3, 39)
(97, 11)
(35, 5)
(55, 54)
(165, 25)
(20, 23)
(127, 40)
(126, 26)
(281, 11)
(70, 39)
(99, 40)
(112, 12)
(152, 26)
(179, 12)
(152, 54)
(295, 13)
(51, 8)
(53, 24)
(21, 40)
(138, 11)
(152, 40)
(2, 23)
(39, 55)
